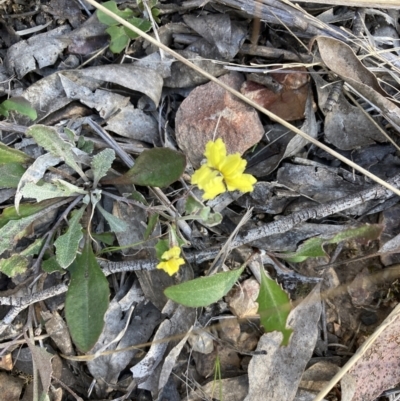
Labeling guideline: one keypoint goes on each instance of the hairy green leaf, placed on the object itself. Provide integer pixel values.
(10, 174)
(274, 307)
(101, 163)
(10, 155)
(49, 139)
(20, 105)
(67, 244)
(13, 227)
(158, 167)
(87, 300)
(48, 191)
(203, 291)
(51, 266)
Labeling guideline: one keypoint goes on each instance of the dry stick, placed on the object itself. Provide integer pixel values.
(245, 99)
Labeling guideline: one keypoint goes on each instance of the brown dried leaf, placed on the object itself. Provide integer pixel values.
(341, 59)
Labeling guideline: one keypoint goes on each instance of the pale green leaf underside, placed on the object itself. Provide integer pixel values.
(116, 225)
(101, 163)
(47, 191)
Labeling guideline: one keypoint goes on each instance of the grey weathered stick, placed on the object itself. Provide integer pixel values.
(287, 223)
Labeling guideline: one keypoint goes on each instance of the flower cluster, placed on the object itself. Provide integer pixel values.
(171, 260)
(221, 172)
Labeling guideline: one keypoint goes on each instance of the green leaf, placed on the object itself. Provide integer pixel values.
(50, 140)
(112, 6)
(161, 247)
(107, 238)
(49, 191)
(101, 163)
(116, 225)
(314, 247)
(203, 291)
(10, 174)
(274, 307)
(119, 38)
(86, 146)
(10, 155)
(16, 264)
(158, 167)
(51, 266)
(140, 23)
(20, 105)
(87, 300)
(192, 205)
(67, 244)
(13, 229)
(25, 210)
(34, 248)
(151, 225)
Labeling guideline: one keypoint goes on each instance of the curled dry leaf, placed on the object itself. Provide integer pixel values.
(289, 101)
(341, 59)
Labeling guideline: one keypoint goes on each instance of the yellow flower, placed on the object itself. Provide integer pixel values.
(222, 172)
(171, 260)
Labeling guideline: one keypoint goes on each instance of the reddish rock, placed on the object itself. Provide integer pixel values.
(289, 103)
(197, 120)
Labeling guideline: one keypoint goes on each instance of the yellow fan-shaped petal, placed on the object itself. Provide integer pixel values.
(233, 165)
(203, 175)
(215, 153)
(171, 266)
(213, 188)
(242, 183)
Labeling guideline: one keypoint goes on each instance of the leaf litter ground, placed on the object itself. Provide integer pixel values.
(323, 230)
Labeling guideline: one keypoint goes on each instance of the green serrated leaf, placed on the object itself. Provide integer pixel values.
(161, 247)
(20, 105)
(119, 38)
(101, 163)
(112, 6)
(274, 307)
(16, 264)
(50, 140)
(87, 300)
(116, 225)
(10, 174)
(213, 219)
(67, 245)
(158, 167)
(203, 291)
(10, 155)
(192, 205)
